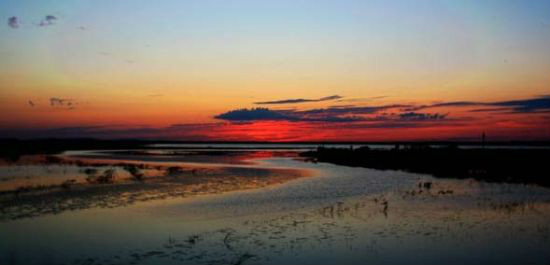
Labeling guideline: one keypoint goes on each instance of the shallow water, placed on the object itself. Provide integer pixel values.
(336, 214)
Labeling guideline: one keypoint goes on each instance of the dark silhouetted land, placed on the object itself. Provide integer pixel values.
(513, 165)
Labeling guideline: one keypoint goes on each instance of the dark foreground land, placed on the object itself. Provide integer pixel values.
(513, 164)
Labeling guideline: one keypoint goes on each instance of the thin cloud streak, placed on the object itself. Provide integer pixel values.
(47, 21)
(329, 115)
(297, 100)
(64, 103)
(532, 105)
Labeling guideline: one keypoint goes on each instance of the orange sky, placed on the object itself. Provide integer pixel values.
(100, 71)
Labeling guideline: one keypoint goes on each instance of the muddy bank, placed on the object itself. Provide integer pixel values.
(106, 188)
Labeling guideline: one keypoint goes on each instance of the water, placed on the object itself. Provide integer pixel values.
(264, 206)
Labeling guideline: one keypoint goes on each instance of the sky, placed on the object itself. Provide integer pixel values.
(275, 70)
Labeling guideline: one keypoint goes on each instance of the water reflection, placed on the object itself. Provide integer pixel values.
(113, 183)
(338, 215)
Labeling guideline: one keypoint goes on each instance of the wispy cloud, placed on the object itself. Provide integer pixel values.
(415, 116)
(13, 22)
(331, 115)
(342, 110)
(532, 105)
(263, 114)
(48, 20)
(64, 103)
(255, 114)
(297, 100)
(390, 113)
(540, 104)
(361, 99)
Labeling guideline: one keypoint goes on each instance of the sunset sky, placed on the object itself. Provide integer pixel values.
(275, 70)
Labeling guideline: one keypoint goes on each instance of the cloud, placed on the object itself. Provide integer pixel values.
(47, 21)
(540, 104)
(415, 116)
(490, 110)
(58, 101)
(340, 110)
(255, 114)
(64, 103)
(391, 114)
(13, 22)
(297, 100)
(264, 114)
(361, 99)
(532, 105)
(331, 115)
(444, 104)
(344, 113)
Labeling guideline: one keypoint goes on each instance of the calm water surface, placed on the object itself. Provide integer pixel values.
(336, 214)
